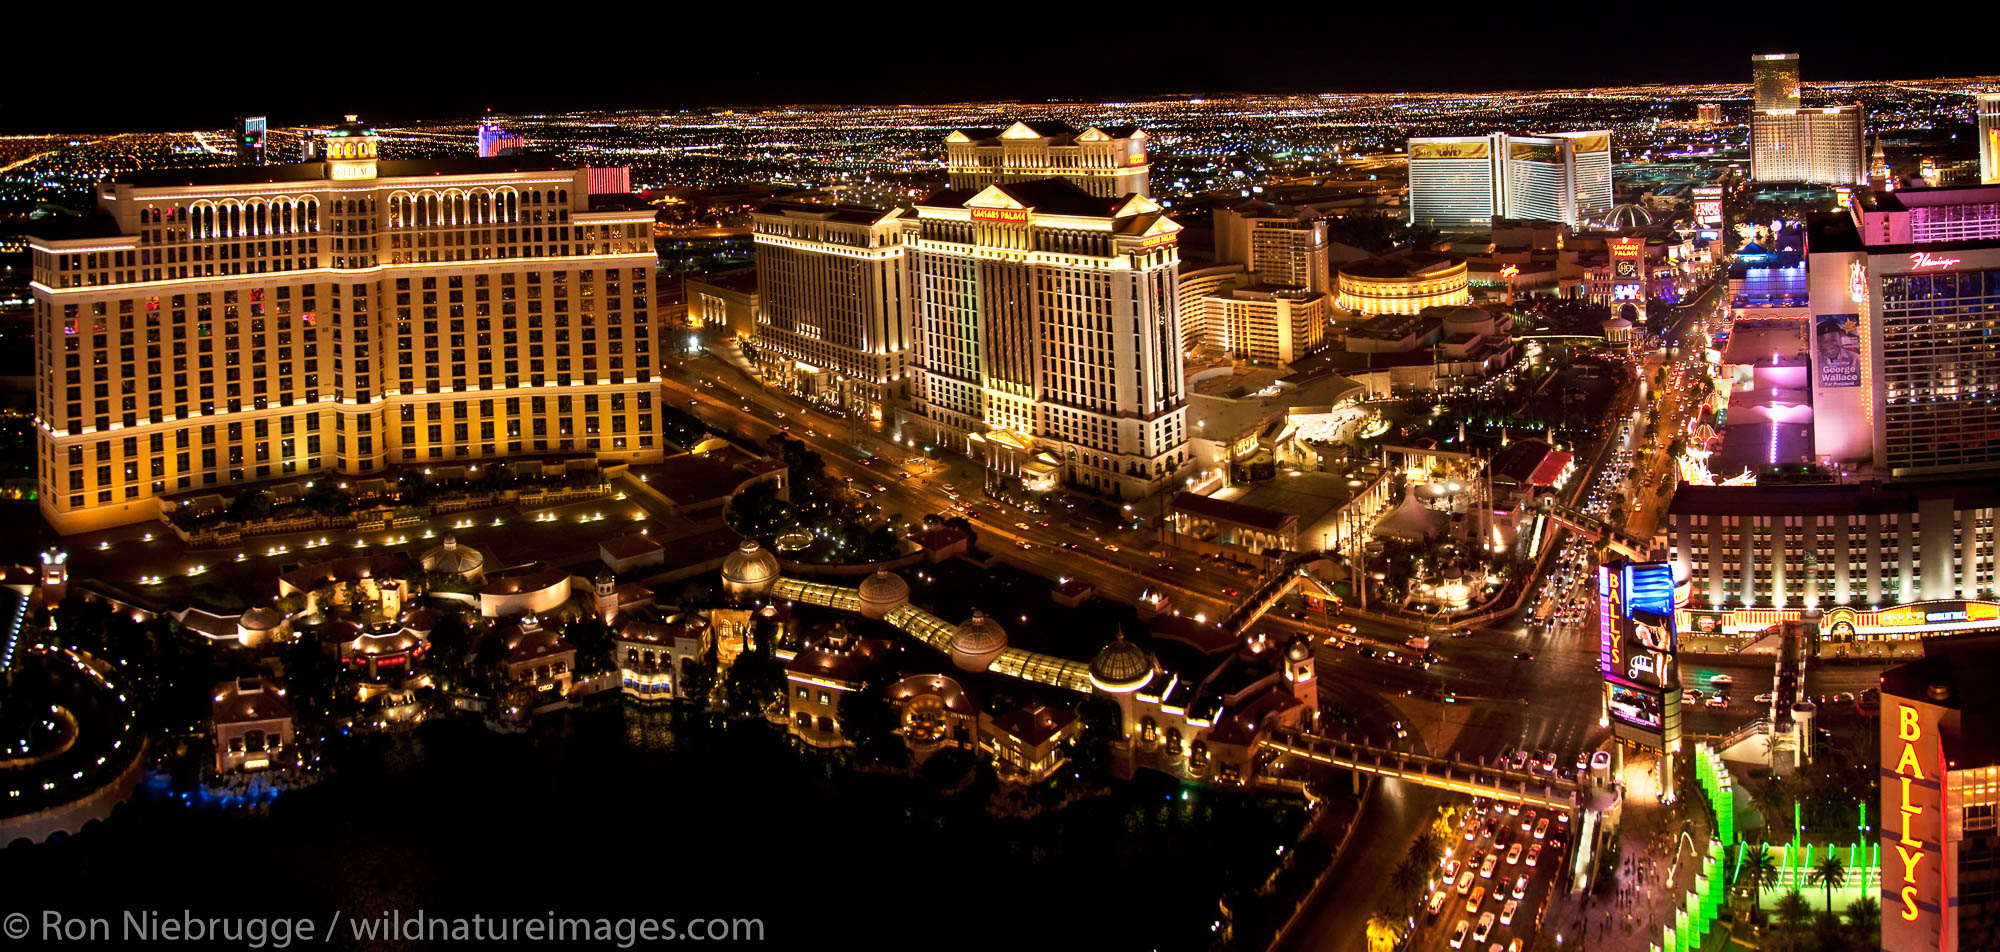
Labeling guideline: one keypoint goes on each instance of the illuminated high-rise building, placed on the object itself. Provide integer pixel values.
(1939, 835)
(1708, 113)
(1822, 146)
(1467, 181)
(1281, 250)
(1048, 335)
(1774, 81)
(1903, 290)
(831, 322)
(495, 141)
(1989, 138)
(1106, 161)
(213, 328)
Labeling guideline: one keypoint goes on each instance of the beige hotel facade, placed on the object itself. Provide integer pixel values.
(215, 328)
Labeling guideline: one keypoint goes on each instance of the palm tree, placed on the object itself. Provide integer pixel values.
(1864, 916)
(1424, 849)
(1385, 929)
(1830, 872)
(1409, 877)
(1762, 872)
(1793, 911)
(1772, 798)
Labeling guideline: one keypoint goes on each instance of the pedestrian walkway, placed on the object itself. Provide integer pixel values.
(1659, 858)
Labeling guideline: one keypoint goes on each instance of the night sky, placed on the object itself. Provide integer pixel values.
(391, 66)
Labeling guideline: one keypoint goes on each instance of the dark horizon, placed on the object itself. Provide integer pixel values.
(827, 69)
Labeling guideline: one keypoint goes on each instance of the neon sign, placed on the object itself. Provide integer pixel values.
(1857, 282)
(999, 214)
(1924, 259)
(1510, 272)
(1909, 846)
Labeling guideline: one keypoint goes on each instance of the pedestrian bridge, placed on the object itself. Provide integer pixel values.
(1620, 541)
(1480, 780)
(1290, 573)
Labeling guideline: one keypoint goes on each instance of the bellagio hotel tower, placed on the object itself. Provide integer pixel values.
(219, 327)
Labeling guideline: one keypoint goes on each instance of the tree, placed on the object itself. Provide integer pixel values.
(1773, 798)
(1793, 911)
(1424, 849)
(1761, 871)
(1864, 917)
(446, 661)
(1102, 727)
(697, 680)
(596, 653)
(1385, 929)
(754, 681)
(1830, 873)
(1409, 877)
(869, 723)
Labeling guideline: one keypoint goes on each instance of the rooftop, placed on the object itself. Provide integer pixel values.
(316, 171)
(1956, 672)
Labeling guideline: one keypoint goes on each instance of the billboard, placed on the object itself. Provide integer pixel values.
(1591, 143)
(1708, 204)
(1534, 151)
(1449, 150)
(1836, 350)
(1638, 641)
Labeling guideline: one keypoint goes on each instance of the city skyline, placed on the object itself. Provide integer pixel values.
(723, 75)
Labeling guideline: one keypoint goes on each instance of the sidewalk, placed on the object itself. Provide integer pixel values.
(1656, 870)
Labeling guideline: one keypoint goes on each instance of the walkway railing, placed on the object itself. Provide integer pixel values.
(1437, 772)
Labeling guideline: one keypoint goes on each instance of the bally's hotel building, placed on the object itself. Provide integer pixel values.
(216, 327)
(1459, 182)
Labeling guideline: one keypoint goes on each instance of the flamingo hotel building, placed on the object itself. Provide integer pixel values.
(214, 328)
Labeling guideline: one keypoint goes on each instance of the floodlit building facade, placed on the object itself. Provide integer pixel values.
(1104, 161)
(1774, 81)
(1467, 181)
(1989, 138)
(831, 322)
(1048, 334)
(217, 327)
(1822, 146)
(1287, 251)
(1273, 325)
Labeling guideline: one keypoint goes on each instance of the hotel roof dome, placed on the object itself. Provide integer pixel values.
(260, 618)
(454, 559)
(1122, 666)
(881, 592)
(976, 643)
(1627, 216)
(750, 566)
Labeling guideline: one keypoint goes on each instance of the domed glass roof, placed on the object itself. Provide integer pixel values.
(884, 588)
(1121, 665)
(1628, 216)
(979, 635)
(750, 565)
(260, 619)
(453, 558)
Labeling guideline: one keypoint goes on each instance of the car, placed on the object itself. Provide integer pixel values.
(1231, 592)
(1471, 832)
(1486, 868)
(1465, 882)
(1528, 821)
(1436, 904)
(1767, 697)
(1513, 809)
(1072, 546)
(780, 414)
(1520, 885)
(1542, 829)
(947, 487)
(1458, 934)
(1462, 633)
(1478, 896)
(1582, 762)
(1722, 679)
(1485, 928)
(1345, 628)
(1514, 855)
(1716, 701)
(1486, 829)
(1108, 547)
(1514, 946)
(1520, 759)
(1692, 694)
(880, 488)
(1451, 868)
(1400, 732)
(1535, 854)
(1507, 912)
(1524, 656)
(1020, 525)
(1844, 697)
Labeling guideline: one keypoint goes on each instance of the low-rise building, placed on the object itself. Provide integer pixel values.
(253, 724)
(1029, 743)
